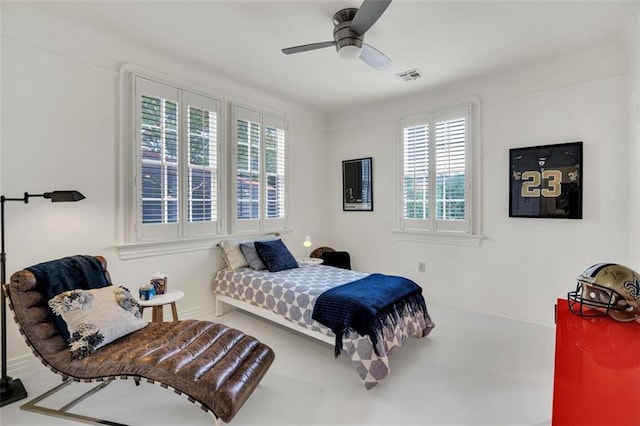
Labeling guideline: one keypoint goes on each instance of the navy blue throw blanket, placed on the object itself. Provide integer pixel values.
(368, 306)
(69, 273)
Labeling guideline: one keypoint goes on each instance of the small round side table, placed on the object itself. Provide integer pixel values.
(310, 261)
(158, 301)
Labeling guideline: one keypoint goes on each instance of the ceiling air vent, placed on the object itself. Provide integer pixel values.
(413, 74)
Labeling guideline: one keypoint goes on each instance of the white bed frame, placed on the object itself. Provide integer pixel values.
(222, 300)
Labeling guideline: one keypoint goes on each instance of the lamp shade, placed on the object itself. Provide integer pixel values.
(63, 196)
(307, 241)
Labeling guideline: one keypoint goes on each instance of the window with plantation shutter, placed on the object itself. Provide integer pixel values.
(260, 170)
(159, 162)
(202, 165)
(274, 171)
(416, 171)
(248, 170)
(176, 174)
(451, 168)
(436, 170)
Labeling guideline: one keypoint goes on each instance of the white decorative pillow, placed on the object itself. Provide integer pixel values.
(232, 254)
(97, 317)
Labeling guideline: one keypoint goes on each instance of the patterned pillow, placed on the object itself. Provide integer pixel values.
(275, 255)
(232, 254)
(250, 253)
(97, 317)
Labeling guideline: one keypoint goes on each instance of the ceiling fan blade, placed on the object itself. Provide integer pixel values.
(305, 47)
(367, 15)
(374, 57)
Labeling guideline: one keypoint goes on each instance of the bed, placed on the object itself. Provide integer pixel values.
(289, 296)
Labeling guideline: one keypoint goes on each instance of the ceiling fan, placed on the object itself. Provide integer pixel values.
(350, 25)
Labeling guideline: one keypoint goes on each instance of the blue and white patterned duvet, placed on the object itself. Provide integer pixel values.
(292, 294)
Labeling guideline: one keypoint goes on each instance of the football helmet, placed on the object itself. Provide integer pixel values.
(607, 289)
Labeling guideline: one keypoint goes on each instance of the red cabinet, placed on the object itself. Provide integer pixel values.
(597, 371)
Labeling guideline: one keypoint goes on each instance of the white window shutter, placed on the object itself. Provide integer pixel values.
(176, 175)
(157, 189)
(259, 161)
(435, 170)
(247, 185)
(201, 209)
(452, 170)
(274, 173)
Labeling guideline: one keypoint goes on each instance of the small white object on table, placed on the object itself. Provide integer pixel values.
(310, 261)
(158, 301)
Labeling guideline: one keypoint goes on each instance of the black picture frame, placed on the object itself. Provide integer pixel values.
(545, 181)
(357, 184)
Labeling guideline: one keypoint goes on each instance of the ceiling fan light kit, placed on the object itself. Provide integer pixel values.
(350, 51)
(348, 44)
(350, 25)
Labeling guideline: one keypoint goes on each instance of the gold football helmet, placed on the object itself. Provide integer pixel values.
(607, 289)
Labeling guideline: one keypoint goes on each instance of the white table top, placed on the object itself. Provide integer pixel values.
(163, 299)
(310, 261)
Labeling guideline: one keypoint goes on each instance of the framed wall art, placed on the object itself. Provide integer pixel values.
(546, 181)
(357, 184)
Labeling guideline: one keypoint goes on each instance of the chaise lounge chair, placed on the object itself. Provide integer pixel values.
(213, 365)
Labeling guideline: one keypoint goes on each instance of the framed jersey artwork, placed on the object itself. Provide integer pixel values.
(546, 181)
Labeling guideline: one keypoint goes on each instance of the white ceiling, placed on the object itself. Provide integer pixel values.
(446, 40)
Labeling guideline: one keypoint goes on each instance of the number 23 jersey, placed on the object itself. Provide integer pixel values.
(545, 183)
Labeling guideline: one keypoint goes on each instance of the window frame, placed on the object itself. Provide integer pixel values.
(442, 231)
(265, 119)
(131, 239)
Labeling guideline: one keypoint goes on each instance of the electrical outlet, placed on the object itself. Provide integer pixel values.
(421, 266)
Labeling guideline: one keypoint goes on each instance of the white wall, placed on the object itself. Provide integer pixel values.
(522, 265)
(60, 131)
(634, 140)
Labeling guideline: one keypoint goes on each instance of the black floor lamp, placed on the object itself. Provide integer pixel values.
(12, 390)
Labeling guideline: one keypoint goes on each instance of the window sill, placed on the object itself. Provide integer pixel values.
(159, 248)
(163, 247)
(442, 237)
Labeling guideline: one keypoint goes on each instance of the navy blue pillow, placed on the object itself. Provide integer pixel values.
(275, 255)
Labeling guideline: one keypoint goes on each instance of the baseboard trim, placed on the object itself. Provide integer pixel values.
(523, 313)
(23, 364)
(198, 312)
